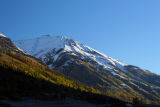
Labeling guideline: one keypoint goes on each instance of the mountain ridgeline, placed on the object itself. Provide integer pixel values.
(22, 75)
(88, 66)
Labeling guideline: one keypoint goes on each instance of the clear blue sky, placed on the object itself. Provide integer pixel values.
(128, 30)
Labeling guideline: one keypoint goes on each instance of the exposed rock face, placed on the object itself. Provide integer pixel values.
(7, 45)
(91, 67)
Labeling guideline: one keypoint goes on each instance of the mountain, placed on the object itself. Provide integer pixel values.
(82, 63)
(24, 76)
(40, 46)
(6, 44)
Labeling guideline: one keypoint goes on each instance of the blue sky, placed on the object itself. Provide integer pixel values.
(128, 30)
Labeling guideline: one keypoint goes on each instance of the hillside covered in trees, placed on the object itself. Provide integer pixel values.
(22, 75)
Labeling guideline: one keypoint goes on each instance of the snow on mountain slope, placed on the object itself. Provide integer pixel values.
(91, 67)
(1, 35)
(5, 42)
(44, 44)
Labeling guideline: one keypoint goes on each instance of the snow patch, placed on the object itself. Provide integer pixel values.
(1, 35)
(67, 63)
(123, 85)
(44, 44)
(115, 74)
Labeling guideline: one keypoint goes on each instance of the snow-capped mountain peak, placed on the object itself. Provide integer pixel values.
(38, 47)
(82, 63)
(41, 45)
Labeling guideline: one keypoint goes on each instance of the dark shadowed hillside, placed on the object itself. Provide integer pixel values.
(22, 75)
(82, 63)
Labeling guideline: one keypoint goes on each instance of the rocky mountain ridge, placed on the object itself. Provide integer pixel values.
(91, 67)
